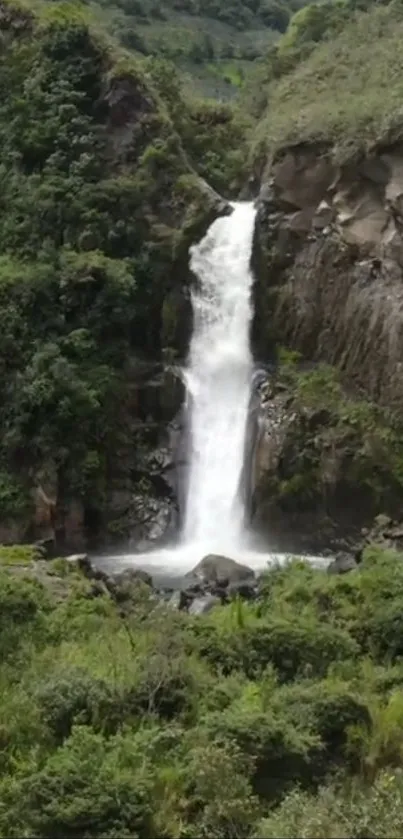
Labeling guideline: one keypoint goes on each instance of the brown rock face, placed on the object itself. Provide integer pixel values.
(128, 104)
(329, 262)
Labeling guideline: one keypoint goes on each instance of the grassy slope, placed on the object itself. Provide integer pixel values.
(181, 37)
(348, 91)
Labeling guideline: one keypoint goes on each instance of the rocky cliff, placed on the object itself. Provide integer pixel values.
(328, 261)
(332, 264)
(328, 258)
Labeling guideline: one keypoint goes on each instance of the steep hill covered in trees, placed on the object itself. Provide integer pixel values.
(100, 198)
(214, 44)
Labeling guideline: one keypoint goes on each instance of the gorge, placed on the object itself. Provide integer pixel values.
(201, 355)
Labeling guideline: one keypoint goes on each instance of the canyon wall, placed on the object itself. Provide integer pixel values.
(328, 262)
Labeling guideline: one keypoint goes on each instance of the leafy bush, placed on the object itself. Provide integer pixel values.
(282, 753)
(76, 697)
(294, 649)
(346, 812)
(22, 605)
(89, 787)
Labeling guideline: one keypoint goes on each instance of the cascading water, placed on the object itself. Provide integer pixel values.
(219, 381)
(218, 377)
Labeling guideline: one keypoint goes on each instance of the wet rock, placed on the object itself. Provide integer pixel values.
(47, 547)
(221, 570)
(123, 585)
(202, 605)
(323, 216)
(82, 562)
(243, 588)
(179, 600)
(154, 519)
(342, 564)
(385, 532)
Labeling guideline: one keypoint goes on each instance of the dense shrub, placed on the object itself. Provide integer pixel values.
(151, 722)
(348, 812)
(90, 787)
(306, 648)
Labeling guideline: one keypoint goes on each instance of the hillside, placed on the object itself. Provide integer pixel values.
(328, 152)
(343, 90)
(122, 716)
(100, 198)
(213, 44)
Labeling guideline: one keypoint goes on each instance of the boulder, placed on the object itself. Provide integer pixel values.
(122, 585)
(247, 589)
(179, 600)
(82, 562)
(342, 563)
(47, 547)
(202, 605)
(221, 570)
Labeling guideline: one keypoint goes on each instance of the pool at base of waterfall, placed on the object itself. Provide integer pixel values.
(171, 564)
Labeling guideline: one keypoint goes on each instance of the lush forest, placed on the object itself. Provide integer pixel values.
(120, 715)
(95, 226)
(213, 44)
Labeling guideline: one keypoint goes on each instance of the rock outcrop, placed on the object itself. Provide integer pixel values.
(329, 262)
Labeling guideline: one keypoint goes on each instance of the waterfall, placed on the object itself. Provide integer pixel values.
(218, 377)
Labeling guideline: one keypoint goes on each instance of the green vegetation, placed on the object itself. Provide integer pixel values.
(336, 439)
(120, 716)
(330, 79)
(281, 717)
(202, 39)
(95, 222)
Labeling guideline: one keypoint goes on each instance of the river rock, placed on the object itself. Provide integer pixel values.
(247, 589)
(342, 563)
(179, 600)
(124, 583)
(221, 570)
(202, 605)
(83, 562)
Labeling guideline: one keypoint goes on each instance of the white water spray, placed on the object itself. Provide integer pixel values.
(218, 378)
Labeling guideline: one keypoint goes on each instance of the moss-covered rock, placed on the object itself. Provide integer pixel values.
(326, 462)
